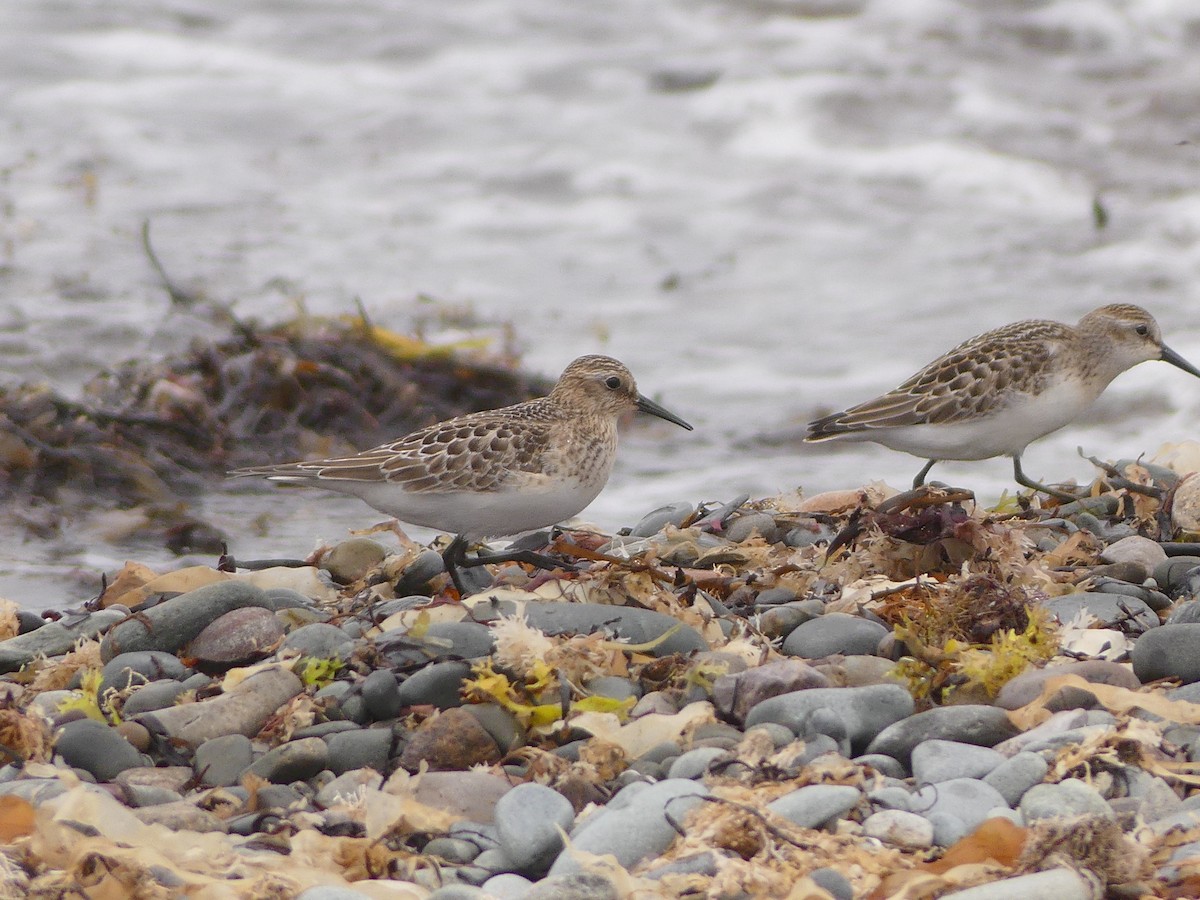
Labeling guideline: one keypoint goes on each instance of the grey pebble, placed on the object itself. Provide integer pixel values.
(574, 886)
(286, 598)
(463, 891)
(1172, 575)
(348, 786)
(528, 822)
(172, 623)
(427, 566)
(56, 638)
(1069, 797)
(1016, 775)
(352, 559)
(359, 748)
(319, 640)
(140, 667)
(380, 693)
(638, 626)
(1168, 651)
(967, 799)
(833, 881)
(331, 892)
(94, 747)
(1185, 613)
(221, 761)
(453, 850)
(743, 527)
(1108, 609)
(937, 760)
(506, 886)
(834, 633)
(1052, 884)
(866, 711)
(614, 687)
(442, 640)
(984, 726)
(635, 828)
(882, 763)
(437, 684)
(694, 763)
(816, 805)
(152, 696)
(293, 761)
(658, 519)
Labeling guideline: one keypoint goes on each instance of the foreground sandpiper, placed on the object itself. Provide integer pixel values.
(493, 473)
(994, 394)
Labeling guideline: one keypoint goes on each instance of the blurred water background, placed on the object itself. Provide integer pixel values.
(767, 208)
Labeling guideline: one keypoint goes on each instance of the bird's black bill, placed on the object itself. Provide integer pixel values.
(647, 405)
(1169, 355)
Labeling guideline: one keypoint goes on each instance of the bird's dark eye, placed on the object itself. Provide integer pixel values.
(613, 382)
(1143, 330)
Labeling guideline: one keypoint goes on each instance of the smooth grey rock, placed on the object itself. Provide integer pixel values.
(984, 726)
(1185, 613)
(634, 830)
(1135, 549)
(900, 828)
(530, 822)
(816, 805)
(243, 710)
(1027, 686)
(574, 886)
(866, 710)
(352, 559)
(359, 749)
(694, 763)
(1109, 609)
(1172, 575)
(657, 519)
(507, 886)
(152, 696)
(55, 638)
(348, 786)
(735, 695)
(381, 694)
(890, 796)
(221, 761)
(833, 881)
(948, 828)
(171, 624)
(501, 724)
(881, 763)
(1052, 884)
(1016, 775)
(1069, 797)
(35, 791)
(453, 850)
(442, 640)
(437, 684)
(293, 761)
(334, 892)
(743, 527)
(937, 760)
(94, 747)
(1169, 651)
(141, 795)
(286, 598)
(834, 633)
(319, 640)
(967, 799)
(138, 668)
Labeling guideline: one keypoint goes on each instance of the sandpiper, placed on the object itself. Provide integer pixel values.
(493, 473)
(994, 394)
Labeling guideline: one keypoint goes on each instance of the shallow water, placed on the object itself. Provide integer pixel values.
(768, 210)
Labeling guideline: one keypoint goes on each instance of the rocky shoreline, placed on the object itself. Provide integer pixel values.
(857, 694)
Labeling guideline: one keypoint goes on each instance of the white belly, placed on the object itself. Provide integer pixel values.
(1004, 433)
(477, 515)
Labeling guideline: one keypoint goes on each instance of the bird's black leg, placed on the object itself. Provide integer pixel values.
(454, 556)
(920, 479)
(1023, 479)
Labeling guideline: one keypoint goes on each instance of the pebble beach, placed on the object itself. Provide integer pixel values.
(857, 694)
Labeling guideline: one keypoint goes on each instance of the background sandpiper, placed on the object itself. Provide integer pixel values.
(994, 394)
